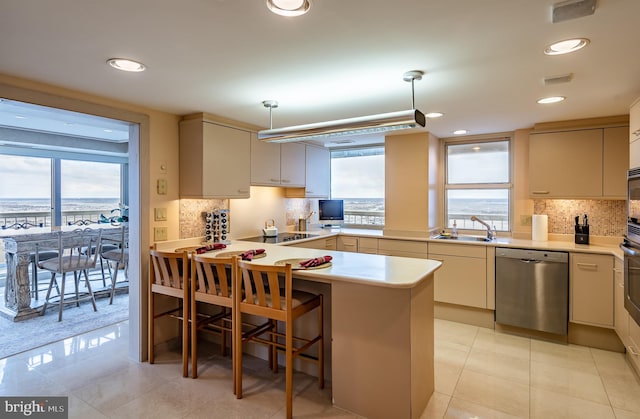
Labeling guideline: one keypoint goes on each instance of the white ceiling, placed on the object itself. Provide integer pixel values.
(483, 58)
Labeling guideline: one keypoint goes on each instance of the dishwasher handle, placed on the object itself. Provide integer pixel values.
(530, 260)
(629, 251)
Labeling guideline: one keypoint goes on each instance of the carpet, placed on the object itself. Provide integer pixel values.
(41, 330)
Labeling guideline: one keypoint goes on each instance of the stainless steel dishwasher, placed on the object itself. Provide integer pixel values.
(532, 289)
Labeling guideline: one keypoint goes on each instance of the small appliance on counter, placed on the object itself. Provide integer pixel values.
(217, 226)
(270, 229)
(582, 230)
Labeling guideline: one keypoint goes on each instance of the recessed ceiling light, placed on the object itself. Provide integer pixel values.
(125, 64)
(566, 46)
(551, 99)
(289, 7)
(460, 132)
(434, 114)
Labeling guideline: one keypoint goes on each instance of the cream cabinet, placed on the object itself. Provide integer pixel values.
(368, 245)
(327, 243)
(274, 164)
(318, 172)
(406, 248)
(591, 289)
(348, 244)
(634, 135)
(592, 161)
(620, 315)
(317, 182)
(292, 164)
(215, 160)
(265, 162)
(633, 345)
(462, 279)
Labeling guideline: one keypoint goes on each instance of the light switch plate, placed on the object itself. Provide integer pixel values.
(160, 214)
(162, 186)
(160, 234)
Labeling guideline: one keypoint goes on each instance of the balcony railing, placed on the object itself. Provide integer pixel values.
(43, 219)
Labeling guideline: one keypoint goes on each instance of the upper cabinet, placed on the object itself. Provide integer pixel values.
(215, 160)
(292, 164)
(584, 163)
(634, 135)
(274, 164)
(317, 174)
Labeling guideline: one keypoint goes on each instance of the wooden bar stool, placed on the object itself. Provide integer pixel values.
(169, 275)
(258, 292)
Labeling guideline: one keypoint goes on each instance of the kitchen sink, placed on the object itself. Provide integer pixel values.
(461, 238)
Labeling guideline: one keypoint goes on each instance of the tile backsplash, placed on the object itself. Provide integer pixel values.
(606, 217)
(191, 215)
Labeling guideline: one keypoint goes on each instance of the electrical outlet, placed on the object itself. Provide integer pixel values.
(160, 234)
(160, 214)
(525, 220)
(162, 186)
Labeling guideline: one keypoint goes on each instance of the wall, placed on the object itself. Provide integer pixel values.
(410, 184)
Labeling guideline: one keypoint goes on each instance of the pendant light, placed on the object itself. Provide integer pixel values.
(371, 124)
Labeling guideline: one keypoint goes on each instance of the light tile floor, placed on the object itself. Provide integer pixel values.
(479, 374)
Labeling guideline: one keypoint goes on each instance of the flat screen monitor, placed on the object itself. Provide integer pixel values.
(330, 211)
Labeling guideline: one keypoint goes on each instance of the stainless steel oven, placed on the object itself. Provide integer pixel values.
(631, 247)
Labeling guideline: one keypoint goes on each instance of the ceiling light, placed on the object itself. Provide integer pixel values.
(289, 7)
(551, 99)
(371, 124)
(434, 115)
(126, 64)
(460, 132)
(566, 46)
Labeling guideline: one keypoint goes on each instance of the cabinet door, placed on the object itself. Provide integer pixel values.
(634, 154)
(620, 315)
(633, 347)
(405, 248)
(329, 243)
(318, 172)
(591, 295)
(348, 244)
(615, 160)
(265, 162)
(634, 122)
(292, 164)
(227, 162)
(462, 279)
(575, 154)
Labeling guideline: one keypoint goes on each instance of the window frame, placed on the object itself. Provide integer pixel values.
(355, 149)
(509, 185)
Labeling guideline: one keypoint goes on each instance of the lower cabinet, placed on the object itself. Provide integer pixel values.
(329, 243)
(348, 244)
(406, 248)
(591, 289)
(633, 345)
(462, 279)
(620, 315)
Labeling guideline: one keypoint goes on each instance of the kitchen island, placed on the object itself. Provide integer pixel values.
(380, 328)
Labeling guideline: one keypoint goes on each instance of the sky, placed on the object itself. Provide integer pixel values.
(29, 177)
(358, 177)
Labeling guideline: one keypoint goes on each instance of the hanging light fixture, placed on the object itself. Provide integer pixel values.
(289, 7)
(370, 124)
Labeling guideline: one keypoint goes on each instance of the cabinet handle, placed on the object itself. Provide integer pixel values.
(309, 191)
(621, 284)
(636, 132)
(243, 191)
(540, 192)
(617, 270)
(633, 351)
(274, 180)
(587, 265)
(285, 181)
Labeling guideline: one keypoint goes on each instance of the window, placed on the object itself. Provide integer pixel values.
(357, 177)
(82, 190)
(478, 182)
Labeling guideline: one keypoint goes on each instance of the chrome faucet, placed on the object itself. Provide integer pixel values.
(491, 232)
